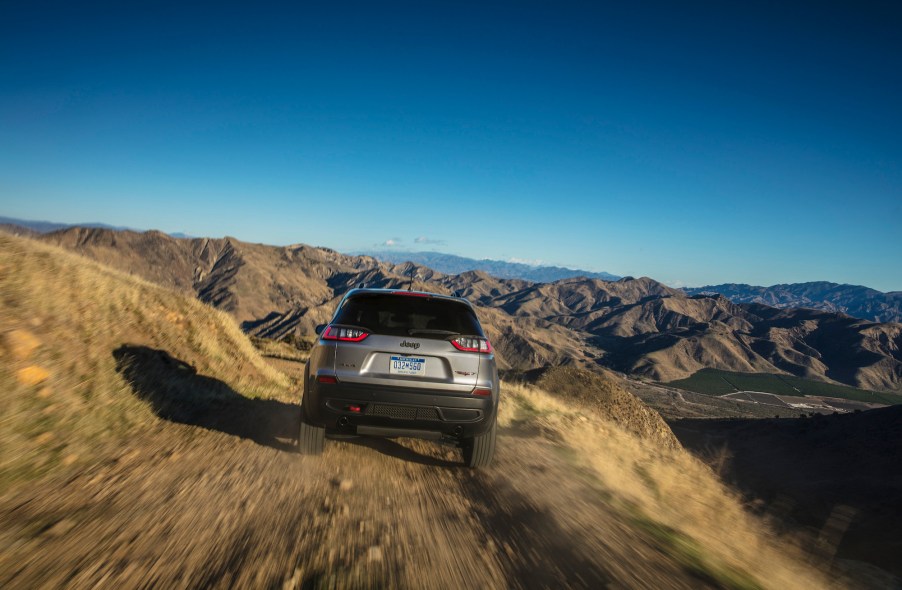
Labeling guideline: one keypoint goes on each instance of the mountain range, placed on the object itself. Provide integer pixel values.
(452, 265)
(43, 227)
(636, 326)
(854, 300)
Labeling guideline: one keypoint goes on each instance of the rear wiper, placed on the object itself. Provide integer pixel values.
(413, 331)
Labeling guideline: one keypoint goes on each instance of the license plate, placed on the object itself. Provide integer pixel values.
(407, 365)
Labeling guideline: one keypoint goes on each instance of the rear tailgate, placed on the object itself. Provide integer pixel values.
(396, 361)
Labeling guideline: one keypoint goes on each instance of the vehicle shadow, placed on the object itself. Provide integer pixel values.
(392, 448)
(177, 393)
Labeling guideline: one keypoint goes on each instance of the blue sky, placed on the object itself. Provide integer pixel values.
(693, 142)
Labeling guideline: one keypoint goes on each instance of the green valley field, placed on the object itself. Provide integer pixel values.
(717, 382)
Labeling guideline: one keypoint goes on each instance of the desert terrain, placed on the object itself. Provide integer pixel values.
(147, 442)
(634, 326)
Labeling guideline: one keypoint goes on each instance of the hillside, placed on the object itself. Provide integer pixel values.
(68, 325)
(146, 444)
(635, 326)
(276, 291)
(854, 300)
(835, 473)
(454, 265)
(608, 398)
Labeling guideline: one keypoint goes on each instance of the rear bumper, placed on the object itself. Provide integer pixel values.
(424, 413)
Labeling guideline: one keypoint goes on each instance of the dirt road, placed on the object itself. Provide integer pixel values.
(225, 502)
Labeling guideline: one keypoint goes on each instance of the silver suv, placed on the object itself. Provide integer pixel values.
(402, 363)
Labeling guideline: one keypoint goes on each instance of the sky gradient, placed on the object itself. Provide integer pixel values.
(692, 142)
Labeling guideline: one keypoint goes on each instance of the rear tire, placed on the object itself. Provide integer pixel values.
(480, 449)
(311, 439)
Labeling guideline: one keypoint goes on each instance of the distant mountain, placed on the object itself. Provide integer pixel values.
(453, 265)
(636, 326)
(854, 300)
(45, 227)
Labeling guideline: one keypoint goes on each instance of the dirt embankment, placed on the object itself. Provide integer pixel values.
(611, 401)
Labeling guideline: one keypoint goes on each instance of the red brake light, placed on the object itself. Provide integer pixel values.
(481, 391)
(327, 379)
(344, 334)
(471, 344)
(411, 294)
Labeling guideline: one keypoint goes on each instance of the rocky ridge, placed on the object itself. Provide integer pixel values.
(636, 326)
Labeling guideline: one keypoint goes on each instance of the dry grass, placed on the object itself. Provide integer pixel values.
(668, 493)
(297, 350)
(61, 396)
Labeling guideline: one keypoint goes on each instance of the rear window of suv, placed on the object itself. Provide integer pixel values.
(404, 315)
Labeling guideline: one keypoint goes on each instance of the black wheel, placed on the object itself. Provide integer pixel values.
(310, 438)
(480, 449)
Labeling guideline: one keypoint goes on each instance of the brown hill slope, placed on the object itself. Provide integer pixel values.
(63, 319)
(637, 326)
(276, 291)
(837, 474)
(602, 393)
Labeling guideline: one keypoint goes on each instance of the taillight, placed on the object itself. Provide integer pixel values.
(327, 379)
(470, 344)
(481, 391)
(344, 334)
